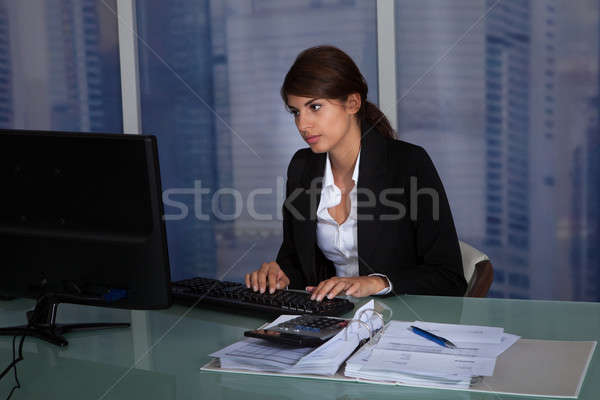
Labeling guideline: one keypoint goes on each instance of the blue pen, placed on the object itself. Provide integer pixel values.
(434, 338)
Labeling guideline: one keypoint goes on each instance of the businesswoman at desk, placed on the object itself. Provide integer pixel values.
(365, 214)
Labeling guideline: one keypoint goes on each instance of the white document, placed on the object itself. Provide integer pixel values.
(400, 355)
(354, 368)
(452, 332)
(420, 344)
(440, 365)
(257, 352)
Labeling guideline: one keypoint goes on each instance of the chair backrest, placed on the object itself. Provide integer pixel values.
(478, 271)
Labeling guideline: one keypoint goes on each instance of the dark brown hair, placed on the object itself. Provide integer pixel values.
(327, 72)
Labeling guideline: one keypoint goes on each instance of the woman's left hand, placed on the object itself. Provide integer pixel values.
(358, 286)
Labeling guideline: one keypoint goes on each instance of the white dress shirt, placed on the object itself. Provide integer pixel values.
(339, 243)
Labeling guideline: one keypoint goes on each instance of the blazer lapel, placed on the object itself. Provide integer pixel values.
(307, 204)
(371, 181)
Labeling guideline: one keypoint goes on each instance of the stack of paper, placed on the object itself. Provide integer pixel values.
(402, 356)
(263, 356)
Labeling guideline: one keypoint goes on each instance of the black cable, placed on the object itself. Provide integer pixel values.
(14, 363)
(18, 384)
(11, 364)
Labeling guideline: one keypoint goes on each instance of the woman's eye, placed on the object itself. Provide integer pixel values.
(315, 107)
(294, 112)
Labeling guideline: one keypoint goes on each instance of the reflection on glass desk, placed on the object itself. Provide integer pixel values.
(160, 356)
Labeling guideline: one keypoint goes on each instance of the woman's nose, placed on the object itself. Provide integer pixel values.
(303, 122)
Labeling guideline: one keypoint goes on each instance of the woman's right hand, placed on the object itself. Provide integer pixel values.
(269, 275)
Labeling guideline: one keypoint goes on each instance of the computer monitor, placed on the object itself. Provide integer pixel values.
(81, 221)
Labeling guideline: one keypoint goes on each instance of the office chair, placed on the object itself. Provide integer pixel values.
(478, 271)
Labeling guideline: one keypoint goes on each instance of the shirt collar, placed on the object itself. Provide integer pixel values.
(328, 176)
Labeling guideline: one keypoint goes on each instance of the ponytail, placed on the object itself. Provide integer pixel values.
(373, 116)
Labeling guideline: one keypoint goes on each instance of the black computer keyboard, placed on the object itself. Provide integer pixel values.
(235, 295)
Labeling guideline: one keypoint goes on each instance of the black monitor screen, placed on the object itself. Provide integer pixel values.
(81, 214)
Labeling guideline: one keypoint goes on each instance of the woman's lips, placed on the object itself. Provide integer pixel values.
(312, 139)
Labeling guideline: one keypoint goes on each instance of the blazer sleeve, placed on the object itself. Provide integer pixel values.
(287, 257)
(440, 270)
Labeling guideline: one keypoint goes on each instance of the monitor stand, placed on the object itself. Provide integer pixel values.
(42, 322)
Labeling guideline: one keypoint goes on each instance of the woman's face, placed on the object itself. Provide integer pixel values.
(322, 123)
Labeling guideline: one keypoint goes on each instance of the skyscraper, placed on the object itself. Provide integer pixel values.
(441, 99)
(544, 157)
(577, 246)
(60, 75)
(76, 83)
(464, 94)
(508, 39)
(177, 105)
(580, 96)
(592, 289)
(585, 214)
(585, 251)
(591, 273)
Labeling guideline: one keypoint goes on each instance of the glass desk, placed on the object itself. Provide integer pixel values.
(160, 356)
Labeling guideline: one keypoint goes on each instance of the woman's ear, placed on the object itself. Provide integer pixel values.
(353, 103)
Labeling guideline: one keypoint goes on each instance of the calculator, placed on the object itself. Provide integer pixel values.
(303, 331)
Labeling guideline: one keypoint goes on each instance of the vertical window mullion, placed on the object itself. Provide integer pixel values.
(128, 59)
(386, 60)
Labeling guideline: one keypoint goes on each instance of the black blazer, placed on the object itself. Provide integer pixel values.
(419, 254)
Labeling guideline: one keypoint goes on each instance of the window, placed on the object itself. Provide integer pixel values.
(490, 150)
(210, 74)
(474, 86)
(60, 66)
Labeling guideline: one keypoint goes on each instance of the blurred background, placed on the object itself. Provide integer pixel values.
(503, 95)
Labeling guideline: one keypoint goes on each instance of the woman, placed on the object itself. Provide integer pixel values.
(365, 214)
